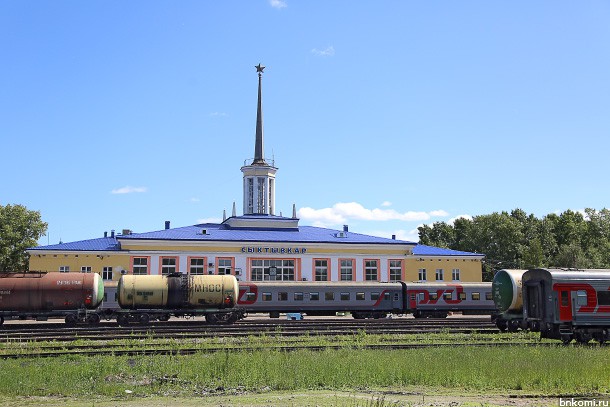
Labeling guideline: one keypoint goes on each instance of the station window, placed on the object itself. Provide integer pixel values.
(347, 269)
(344, 296)
(85, 269)
(329, 296)
(282, 296)
(140, 265)
(371, 270)
(267, 297)
(475, 296)
(440, 275)
(359, 296)
(107, 273)
(455, 274)
(298, 296)
(321, 269)
(64, 269)
(272, 269)
(395, 270)
(421, 275)
(168, 265)
(225, 265)
(314, 296)
(197, 265)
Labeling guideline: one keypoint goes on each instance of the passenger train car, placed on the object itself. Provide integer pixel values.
(365, 299)
(567, 305)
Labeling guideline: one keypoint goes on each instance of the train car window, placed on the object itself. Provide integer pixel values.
(447, 296)
(329, 296)
(314, 296)
(283, 296)
(488, 296)
(298, 296)
(462, 296)
(564, 299)
(266, 296)
(475, 296)
(386, 296)
(344, 296)
(359, 296)
(433, 296)
(581, 297)
(374, 296)
(250, 296)
(603, 297)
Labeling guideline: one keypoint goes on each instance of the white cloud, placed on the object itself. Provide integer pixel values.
(278, 3)
(194, 199)
(218, 114)
(386, 203)
(328, 52)
(128, 190)
(342, 211)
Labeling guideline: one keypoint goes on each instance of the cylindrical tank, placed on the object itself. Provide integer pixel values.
(506, 290)
(177, 291)
(51, 291)
(213, 291)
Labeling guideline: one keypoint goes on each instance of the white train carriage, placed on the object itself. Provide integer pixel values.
(568, 304)
(361, 299)
(437, 300)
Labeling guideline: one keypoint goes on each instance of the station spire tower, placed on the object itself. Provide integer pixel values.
(259, 177)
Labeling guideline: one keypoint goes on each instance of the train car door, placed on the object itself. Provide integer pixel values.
(564, 295)
(534, 300)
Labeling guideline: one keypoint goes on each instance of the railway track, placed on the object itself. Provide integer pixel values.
(192, 329)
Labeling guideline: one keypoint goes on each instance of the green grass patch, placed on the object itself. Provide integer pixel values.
(555, 371)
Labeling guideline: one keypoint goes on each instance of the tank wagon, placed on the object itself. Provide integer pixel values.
(568, 305)
(144, 298)
(365, 299)
(41, 296)
(506, 289)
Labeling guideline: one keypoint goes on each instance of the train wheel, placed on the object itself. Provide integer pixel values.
(122, 320)
(164, 317)
(211, 318)
(144, 319)
(582, 337)
(93, 319)
(71, 319)
(513, 325)
(566, 339)
(502, 325)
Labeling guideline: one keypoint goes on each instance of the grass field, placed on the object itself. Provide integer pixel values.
(567, 371)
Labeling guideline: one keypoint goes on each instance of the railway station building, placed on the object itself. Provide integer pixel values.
(259, 245)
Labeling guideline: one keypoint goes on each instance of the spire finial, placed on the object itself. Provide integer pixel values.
(259, 156)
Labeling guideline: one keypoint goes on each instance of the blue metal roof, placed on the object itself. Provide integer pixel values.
(101, 244)
(222, 232)
(423, 250)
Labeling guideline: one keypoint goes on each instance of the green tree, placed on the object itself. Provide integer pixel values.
(20, 228)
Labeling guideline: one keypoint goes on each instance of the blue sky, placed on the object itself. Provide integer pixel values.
(383, 115)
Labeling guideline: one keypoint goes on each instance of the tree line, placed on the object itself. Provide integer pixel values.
(518, 240)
